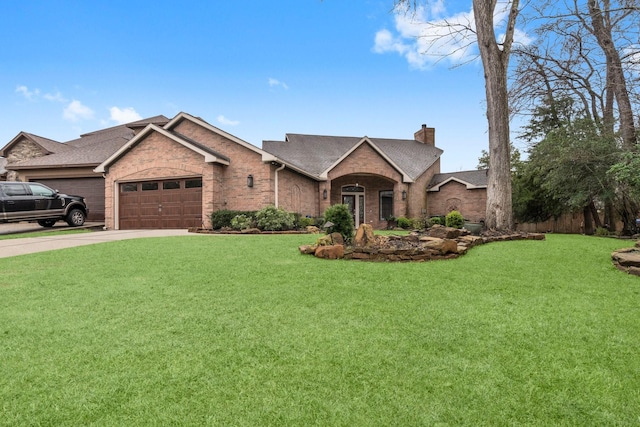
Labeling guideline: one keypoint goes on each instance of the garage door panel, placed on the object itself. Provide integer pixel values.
(161, 204)
(91, 188)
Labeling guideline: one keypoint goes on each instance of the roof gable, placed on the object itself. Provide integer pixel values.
(47, 145)
(474, 179)
(318, 154)
(210, 156)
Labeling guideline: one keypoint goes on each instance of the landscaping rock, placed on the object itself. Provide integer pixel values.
(627, 260)
(312, 229)
(307, 249)
(364, 236)
(337, 239)
(330, 252)
(443, 232)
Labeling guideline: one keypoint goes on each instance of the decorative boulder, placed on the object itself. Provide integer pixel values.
(628, 260)
(364, 236)
(330, 252)
(443, 232)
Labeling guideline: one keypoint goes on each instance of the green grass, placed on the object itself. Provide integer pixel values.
(245, 331)
(43, 233)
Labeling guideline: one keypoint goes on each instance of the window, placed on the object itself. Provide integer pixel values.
(41, 190)
(149, 186)
(126, 188)
(386, 204)
(193, 183)
(170, 185)
(15, 190)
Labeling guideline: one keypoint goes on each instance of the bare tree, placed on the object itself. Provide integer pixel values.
(495, 53)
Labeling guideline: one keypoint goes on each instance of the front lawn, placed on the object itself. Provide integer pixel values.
(243, 330)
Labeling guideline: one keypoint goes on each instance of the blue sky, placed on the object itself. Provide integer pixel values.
(256, 69)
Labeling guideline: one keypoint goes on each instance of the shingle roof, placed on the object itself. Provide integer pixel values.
(90, 149)
(315, 154)
(472, 179)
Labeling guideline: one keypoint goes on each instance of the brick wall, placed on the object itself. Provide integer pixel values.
(454, 195)
(234, 192)
(297, 193)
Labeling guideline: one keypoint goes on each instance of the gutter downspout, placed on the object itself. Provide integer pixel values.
(276, 192)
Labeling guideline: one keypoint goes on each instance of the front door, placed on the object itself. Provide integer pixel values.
(353, 196)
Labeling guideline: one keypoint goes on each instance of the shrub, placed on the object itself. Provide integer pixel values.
(602, 232)
(242, 222)
(304, 222)
(404, 222)
(419, 223)
(223, 218)
(340, 216)
(454, 219)
(436, 220)
(274, 219)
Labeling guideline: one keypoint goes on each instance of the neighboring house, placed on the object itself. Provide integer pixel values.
(175, 173)
(68, 167)
(465, 192)
(3, 170)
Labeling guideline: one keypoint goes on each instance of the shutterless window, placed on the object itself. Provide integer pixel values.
(126, 188)
(170, 185)
(15, 190)
(193, 183)
(149, 186)
(386, 204)
(39, 190)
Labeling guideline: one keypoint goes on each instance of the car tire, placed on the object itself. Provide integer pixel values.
(47, 222)
(75, 218)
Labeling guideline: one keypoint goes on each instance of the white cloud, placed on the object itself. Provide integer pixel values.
(224, 121)
(427, 36)
(29, 94)
(275, 82)
(57, 97)
(76, 111)
(125, 115)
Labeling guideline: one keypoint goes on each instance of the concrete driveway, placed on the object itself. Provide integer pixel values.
(28, 245)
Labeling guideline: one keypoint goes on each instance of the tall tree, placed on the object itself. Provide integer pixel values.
(495, 53)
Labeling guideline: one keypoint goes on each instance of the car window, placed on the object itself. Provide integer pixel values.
(41, 190)
(15, 190)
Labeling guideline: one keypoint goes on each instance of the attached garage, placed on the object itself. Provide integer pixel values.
(92, 189)
(171, 203)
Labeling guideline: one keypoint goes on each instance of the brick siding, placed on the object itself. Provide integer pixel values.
(470, 203)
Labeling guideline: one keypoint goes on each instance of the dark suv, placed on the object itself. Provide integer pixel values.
(31, 201)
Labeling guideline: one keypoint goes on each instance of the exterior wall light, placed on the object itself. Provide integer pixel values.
(324, 194)
(404, 194)
(250, 181)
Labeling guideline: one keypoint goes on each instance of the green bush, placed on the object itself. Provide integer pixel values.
(223, 217)
(454, 219)
(436, 220)
(419, 223)
(242, 222)
(274, 219)
(602, 232)
(340, 217)
(404, 223)
(304, 222)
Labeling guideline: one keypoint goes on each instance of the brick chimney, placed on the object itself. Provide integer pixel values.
(426, 135)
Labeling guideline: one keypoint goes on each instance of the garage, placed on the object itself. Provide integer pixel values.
(92, 189)
(171, 203)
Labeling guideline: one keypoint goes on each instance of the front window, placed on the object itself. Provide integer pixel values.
(41, 190)
(386, 204)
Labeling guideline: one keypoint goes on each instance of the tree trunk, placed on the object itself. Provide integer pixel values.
(495, 59)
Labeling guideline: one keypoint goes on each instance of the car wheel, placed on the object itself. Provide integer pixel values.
(75, 218)
(47, 222)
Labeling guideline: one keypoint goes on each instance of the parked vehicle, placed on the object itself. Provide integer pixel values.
(32, 201)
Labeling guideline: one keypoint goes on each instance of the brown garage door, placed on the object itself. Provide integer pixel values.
(173, 203)
(92, 189)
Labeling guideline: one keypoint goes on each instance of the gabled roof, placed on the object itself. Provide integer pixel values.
(197, 120)
(90, 149)
(318, 154)
(473, 179)
(210, 155)
(47, 145)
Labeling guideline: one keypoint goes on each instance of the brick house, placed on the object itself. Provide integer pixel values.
(174, 173)
(465, 192)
